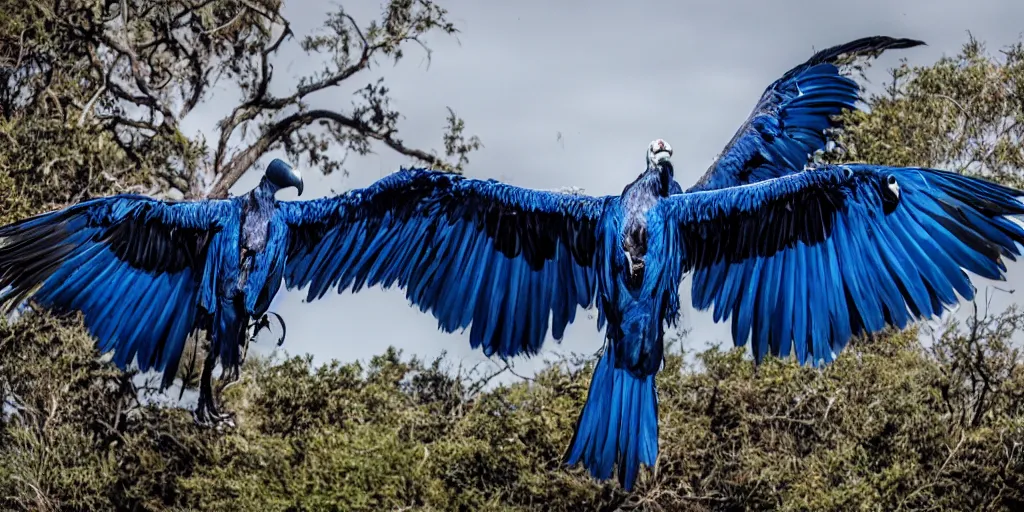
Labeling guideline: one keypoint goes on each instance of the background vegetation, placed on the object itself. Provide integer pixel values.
(892, 425)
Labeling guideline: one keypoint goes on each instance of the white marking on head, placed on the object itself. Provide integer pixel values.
(894, 186)
(658, 151)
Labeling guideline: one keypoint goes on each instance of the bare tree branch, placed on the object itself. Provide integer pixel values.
(245, 159)
(352, 50)
(128, 72)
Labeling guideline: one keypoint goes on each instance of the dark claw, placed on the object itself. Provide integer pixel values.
(199, 416)
(208, 420)
(202, 414)
(264, 323)
(208, 415)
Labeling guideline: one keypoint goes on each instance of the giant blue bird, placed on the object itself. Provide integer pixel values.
(801, 258)
(147, 274)
(801, 263)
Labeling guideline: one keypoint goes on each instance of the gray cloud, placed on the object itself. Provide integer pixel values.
(608, 77)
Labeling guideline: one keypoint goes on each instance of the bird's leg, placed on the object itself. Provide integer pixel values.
(202, 414)
(635, 247)
(207, 412)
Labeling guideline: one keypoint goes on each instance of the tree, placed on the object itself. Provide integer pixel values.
(93, 94)
(112, 80)
(964, 113)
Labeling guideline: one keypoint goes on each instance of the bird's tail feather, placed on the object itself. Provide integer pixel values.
(618, 425)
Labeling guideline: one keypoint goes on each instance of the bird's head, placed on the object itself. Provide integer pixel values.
(282, 175)
(658, 151)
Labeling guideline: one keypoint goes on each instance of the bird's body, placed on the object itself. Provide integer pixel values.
(636, 292)
(638, 295)
(638, 200)
(247, 270)
(262, 241)
(147, 274)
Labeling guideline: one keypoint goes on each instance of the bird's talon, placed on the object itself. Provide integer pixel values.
(223, 423)
(199, 417)
(207, 416)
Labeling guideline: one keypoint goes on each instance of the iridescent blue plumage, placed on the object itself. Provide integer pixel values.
(146, 274)
(804, 261)
(791, 120)
(801, 261)
(520, 256)
(501, 260)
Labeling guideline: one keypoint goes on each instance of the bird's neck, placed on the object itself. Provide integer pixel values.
(264, 193)
(656, 179)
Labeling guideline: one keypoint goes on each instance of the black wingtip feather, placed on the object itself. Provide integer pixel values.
(863, 46)
(27, 258)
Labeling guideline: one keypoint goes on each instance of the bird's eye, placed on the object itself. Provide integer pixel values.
(890, 194)
(894, 187)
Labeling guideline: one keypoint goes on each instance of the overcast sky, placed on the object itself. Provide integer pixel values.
(569, 93)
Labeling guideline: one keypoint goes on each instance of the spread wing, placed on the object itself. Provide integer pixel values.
(131, 264)
(499, 257)
(789, 122)
(808, 260)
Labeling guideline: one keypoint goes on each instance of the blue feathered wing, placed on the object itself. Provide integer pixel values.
(803, 262)
(492, 256)
(788, 124)
(134, 266)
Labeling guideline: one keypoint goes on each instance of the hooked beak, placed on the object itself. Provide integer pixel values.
(299, 187)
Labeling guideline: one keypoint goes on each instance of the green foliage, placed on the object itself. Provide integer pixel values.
(891, 425)
(964, 113)
(93, 94)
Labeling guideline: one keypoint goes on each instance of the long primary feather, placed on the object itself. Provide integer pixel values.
(134, 266)
(498, 258)
(789, 122)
